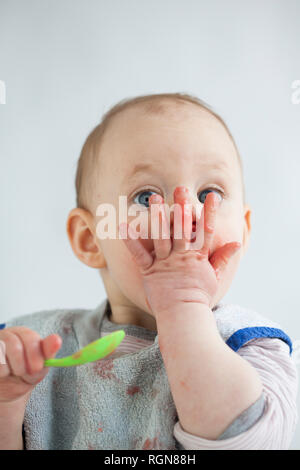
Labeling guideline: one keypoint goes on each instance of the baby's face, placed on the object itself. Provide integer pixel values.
(142, 155)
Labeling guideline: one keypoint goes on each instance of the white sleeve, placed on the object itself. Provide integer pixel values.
(275, 428)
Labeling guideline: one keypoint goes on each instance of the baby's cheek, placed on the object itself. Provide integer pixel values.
(124, 272)
(231, 268)
(226, 234)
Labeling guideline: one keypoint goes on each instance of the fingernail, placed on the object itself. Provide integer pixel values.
(180, 190)
(155, 198)
(216, 200)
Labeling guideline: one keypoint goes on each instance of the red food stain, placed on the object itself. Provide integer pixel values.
(76, 355)
(112, 352)
(182, 382)
(151, 444)
(133, 389)
(67, 329)
(111, 347)
(134, 443)
(103, 368)
(149, 306)
(55, 383)
(100, 428)
(90, 447)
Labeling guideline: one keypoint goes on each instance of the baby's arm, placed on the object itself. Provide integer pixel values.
(210, 383)
(275, 428)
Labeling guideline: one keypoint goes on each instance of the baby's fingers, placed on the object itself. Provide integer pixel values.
(37, 353)
(211, 205)
(220, 257)
(141, 256)
(13, 360)
(25, 352)
(33, 355)
(51, 345)
(162, 245)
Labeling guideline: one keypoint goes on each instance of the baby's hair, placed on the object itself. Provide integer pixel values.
(151, 104)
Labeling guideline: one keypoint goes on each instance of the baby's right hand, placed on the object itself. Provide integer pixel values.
(26, 352)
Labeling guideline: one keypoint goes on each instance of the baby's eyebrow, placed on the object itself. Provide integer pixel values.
(148, 167)
(220, 165)
(140, 168)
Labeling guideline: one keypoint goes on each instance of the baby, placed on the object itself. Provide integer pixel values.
(191, 372)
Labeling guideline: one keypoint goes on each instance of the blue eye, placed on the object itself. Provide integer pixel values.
(205, 192)
(143, 197)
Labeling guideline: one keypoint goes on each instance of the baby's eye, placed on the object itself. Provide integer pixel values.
(143, 197)
(202, 195)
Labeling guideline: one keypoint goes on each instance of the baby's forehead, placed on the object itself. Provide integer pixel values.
(165, 134)
(173, 137)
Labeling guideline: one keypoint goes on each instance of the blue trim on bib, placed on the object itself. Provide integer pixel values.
(2, 326)
(240, 337)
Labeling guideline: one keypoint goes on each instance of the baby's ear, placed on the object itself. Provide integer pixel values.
(247, 227)
(82, 236)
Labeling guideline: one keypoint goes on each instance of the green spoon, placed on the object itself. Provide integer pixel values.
(92, 352)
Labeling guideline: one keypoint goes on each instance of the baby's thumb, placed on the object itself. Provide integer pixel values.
(50, 345)
(220, 257)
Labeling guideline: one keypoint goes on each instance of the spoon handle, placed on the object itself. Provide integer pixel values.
(92, 352)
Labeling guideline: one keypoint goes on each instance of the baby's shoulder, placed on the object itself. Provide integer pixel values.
(238, 325)
(240, 316)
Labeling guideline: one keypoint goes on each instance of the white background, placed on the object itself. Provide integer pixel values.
(66, 62)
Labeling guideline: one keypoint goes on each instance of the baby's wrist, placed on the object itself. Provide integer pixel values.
(189, 318)
(11, 421)
(198, 308)
(189, 329)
